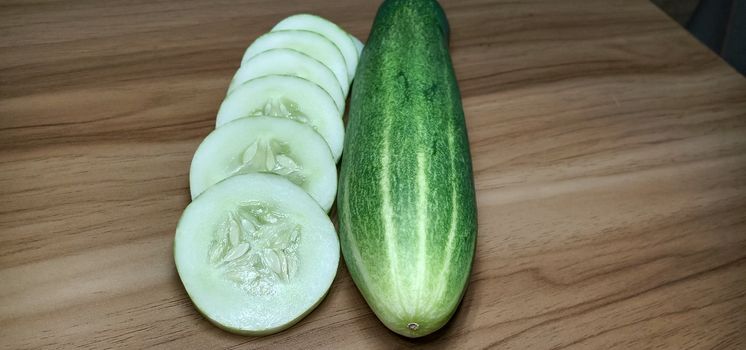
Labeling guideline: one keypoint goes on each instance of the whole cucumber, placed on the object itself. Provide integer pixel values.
(406, 201)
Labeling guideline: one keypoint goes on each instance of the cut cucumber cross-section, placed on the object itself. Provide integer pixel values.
(307, 42)
(290, 62)
(255, 253)
(287, 96)
(328, 29)
(358, 45)
(266, 144)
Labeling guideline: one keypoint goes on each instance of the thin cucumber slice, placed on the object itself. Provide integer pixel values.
(266, 144)
(255, 253)
(328, 29)
(358, 44)
(310, 43)
(286, 96)
(290, 62)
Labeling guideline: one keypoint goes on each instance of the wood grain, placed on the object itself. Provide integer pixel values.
(609, 148)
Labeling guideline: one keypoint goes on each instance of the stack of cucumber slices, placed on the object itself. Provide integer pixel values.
(255, 249)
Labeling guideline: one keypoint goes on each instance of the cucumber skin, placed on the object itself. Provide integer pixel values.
(406, 120)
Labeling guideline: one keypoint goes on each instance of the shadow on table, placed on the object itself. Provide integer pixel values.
(719, 24)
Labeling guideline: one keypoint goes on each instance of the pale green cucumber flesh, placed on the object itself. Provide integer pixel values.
(266, 144)
(255, 253)
(358, 44)
(290, 62)
(286, 96)
(307, 42)
(331, 31)
(406, 201)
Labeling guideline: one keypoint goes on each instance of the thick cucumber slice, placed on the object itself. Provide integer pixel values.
(328, 29)
(290, 62)
(358, 44)
(255, 253)
(266, 144)
(286, 96)
(307, 42)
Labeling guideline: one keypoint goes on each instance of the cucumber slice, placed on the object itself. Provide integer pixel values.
(307, 42)
(358, 45)
(255, 253)
(286, 96)
(328, 29)
(266, 144)
(290, 62)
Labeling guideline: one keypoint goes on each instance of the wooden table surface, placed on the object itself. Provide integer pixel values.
(609, 149)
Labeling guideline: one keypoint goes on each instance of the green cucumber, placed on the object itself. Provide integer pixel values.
(255, 253)
(406, 199)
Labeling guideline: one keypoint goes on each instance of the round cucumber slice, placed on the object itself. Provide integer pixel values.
(358, 45)
(328, 29)
(286, 96)
(307, 42)
(290, 62)
(266, 144)
(255, 253)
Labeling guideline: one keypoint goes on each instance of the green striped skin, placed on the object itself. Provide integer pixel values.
(406, 200)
